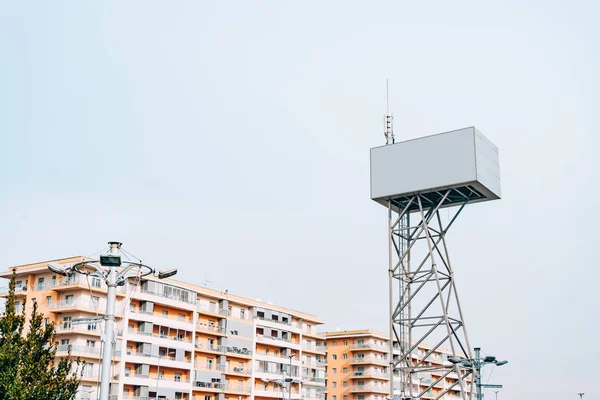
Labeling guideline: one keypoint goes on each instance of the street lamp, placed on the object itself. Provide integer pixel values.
(478, 363)
(290, 379)
(580, 395)
(114, 272)
(496, 391)
(168, 353)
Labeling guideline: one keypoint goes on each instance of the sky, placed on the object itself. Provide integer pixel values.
(231, 140)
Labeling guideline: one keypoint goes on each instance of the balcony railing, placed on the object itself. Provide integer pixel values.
(236, 370)
(210, 328)
(313, 347)
(169, 317)
(370, 388)
(209, 385)
(91, 305)
(178, 339)
(259, 336)
(224, 349)
(213, 309)
(369, 345)
(370, 372)
(376, 360)
(63, 348)
(190, 300)
(277, 321)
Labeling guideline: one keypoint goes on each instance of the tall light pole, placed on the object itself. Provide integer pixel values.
(478, 363)
(115, 273)
(580, 395)
(496, 391)
(168, 353)
(290, 378)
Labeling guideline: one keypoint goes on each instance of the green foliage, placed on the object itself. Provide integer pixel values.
(28, 369)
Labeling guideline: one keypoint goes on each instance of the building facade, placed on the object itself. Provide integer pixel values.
(176, 340)
(358, 365)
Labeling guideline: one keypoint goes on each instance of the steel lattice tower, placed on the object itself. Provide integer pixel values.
(444, 173)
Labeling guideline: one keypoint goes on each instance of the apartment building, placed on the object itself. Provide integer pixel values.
(358, 367)
(176, 340)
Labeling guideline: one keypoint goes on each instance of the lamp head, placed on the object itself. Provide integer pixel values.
(489, 359)
(167, 273)
(500, 363)
(58, 269)
(454, 359)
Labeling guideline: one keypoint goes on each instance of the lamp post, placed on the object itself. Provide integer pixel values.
(290, 379)
(114, 272)
(478, 363)
(168, 353)
(580, 395)
(496, 391)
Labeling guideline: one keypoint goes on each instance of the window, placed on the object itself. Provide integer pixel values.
(242, 314)
(91, 326)
(345, 370)
(67, 323)
(46, 321)
(54, 280)
(40, 284)
(165, 312)
(90, 343)
(345, 383)
(334, 356)
(69, 299)
(345, 397)
(177, 377)
(209, 363)
(96, 282)
(181, 317)
(161, 374)
(64, 341)
(334, 384)
(345, 356)
(48, 300)
(334, 397)
(334, 370)
(334, 343)
(18, 285)
(345, 344)
(132, 307)
(207, 397)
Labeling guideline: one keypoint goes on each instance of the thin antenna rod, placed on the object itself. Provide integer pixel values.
(388, 119)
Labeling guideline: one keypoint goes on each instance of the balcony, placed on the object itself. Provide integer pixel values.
(235, 351)
(21, 290)
(311, 347)
(369, 345)
(210, 309)
(278, 341)
(174, 300)
(212, 329)
(85, 305)
(275, 392)
(370, 360)
(209, 386)
(236, 388)
(89, 329)
(370, 373)
(234, 370)
(64, 348)
(370, 388)
(313, 379)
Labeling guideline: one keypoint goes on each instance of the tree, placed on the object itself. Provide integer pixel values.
(28, 369)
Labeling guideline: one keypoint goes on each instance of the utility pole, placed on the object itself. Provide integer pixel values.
(478, 372)
(114, 272)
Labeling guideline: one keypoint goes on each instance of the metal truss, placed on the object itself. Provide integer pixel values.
(424, 307)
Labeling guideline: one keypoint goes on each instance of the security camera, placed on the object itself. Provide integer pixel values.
(58, 268)
(167, 273)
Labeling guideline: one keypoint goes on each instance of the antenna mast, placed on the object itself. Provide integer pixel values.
(388, 119)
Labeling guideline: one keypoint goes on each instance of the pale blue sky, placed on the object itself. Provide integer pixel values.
(232, 140)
